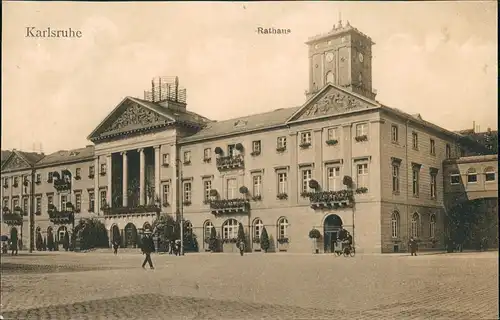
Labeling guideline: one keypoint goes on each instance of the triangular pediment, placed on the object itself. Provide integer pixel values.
(15, 162)
(130, 116)
(330, 101)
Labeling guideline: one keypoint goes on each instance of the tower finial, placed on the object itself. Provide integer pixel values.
(340, 20)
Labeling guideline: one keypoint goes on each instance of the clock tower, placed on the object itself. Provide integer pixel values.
(342, 57)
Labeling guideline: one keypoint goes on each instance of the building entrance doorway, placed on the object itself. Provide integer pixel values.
(331, 227)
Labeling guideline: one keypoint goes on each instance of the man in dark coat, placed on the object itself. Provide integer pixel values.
(412, 244)
(147, 247)
(115, 247)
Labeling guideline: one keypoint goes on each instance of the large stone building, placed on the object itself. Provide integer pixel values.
(257, 170)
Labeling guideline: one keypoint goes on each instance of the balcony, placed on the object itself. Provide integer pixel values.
(219, 207)
(139, 210)
(61, 184)
(60, 217)
(331, 199)
(11, 218)
(230, 162)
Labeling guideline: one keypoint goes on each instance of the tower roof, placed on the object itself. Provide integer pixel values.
(336, 31)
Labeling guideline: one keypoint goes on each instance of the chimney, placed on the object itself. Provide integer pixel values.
(473, 126)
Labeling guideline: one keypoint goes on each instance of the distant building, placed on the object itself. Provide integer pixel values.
(281, 170)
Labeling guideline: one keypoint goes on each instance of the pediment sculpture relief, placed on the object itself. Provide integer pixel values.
(16, 163)
(333, 103)
(135, 115)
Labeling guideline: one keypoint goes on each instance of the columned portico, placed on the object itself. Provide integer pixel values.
(141, 177)
(125, 179)
(110, 180)
(157, 171)
(96, 185)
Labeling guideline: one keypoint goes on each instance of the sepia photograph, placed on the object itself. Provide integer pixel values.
(249, 160)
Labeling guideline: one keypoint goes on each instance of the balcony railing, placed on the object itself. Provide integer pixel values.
(113, 211)
(61, 184)
(229, 206)
(331, 199)
(11, 218)
(230, 162)
(61, 217)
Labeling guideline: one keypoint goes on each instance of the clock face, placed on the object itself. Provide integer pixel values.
(329, 57)
(360, 57)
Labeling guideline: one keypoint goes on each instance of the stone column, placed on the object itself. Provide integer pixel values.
(157, 172)
(110, 180)
(141, 177)
(96, 185)
(125, 179)
(347, 139)
(293, 172)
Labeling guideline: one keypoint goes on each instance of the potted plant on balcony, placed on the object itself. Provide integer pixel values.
(257, 197)
(347, 181)
(332, 142)
(26, 182)
(264, 240)
(361, 138)
(361, 190)
(280, 149)
(282, 196)
(315, 235)
(243, 190)
(239, 147)
(218, 151)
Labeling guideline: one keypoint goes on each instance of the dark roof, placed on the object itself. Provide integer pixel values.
(243, 124)
(5, 154)
(31, 157)
(63, 156)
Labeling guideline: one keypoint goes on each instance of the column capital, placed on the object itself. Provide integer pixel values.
(140, 150)
(157, 147)
(108, 156)
(123, 153)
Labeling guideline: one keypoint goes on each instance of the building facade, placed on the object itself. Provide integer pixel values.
(284, 170)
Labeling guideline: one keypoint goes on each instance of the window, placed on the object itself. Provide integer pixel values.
(38, 178)
(207, 154)
(78, 172)
(432, 149)
(415, 223)
(257, 186)
(207, 187)
(332, 134)
(64, 200)
(362, 175)
(50, 200)
(16, 181)
(187, 157)
(25, 205)
(305, 138)
(91, 201)
(282, 183)
(395, 178)
(281, 143)
(489, 174)
(166, 194)
(471, 175)
(415, 180)
(333, 178)
(78, 201)
(207, 229)
(231, 189)
(394, 133)
(5, 203)
(433, 185)
(448, 151)
(282, 228)
(91, 171)
(231, 150)
(306, 177)
(230, 229)
(329, 77)
(166, 159)
(432, 226)
(414, 139)
(256, 147)
(38, 204)
(15, 203)
(50, 176)
(361, 129)
(103, 168)
(187, 192)
(395, 224)
(258, 225)
(103, 199)
(455, 178)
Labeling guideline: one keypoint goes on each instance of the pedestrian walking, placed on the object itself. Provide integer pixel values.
(412, 244)
(115, 247)
(178, 247)
(147, 247)
(241, 246)
(13, 247)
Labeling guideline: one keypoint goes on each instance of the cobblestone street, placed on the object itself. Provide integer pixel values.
(96, 285)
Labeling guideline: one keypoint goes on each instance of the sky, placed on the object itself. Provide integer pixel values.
(438, 59)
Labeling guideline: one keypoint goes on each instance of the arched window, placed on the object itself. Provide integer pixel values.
(257, 228)
(432, 226)
(489, 174)
(471, 175)
(207, 229)
(230, 229)
(282, 228)
(329, 77)
(415, 223)
(395, 224)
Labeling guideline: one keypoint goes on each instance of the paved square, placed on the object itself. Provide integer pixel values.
(97, 285)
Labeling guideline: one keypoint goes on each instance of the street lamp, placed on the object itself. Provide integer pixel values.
(27, 182)
(180, 202)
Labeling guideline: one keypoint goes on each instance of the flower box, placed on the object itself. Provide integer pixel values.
(78, 177)
(38, 213)
(206, 201)
(305, 145)
(361, 138)
(166, 204)
(6, 185)
(103, 173)
(305, 194)
(166, 165)
(38, 181)
(332, 142)
(283, 240)
(257, 198)
(362, 190)
(234, 240)
(207, 160)
(281, 149)
(282, 196)
(187, 163)
(255, 153)
(186, 203)
(50, 180)
(15, 185)
(91, 176)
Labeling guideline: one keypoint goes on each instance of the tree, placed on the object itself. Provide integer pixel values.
(264, 240)
(241, 233)
(66, 241)
(212, 244)
(93, 234)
